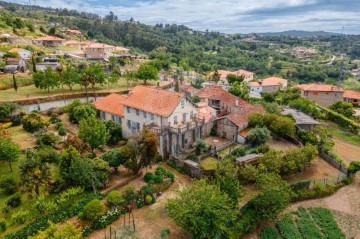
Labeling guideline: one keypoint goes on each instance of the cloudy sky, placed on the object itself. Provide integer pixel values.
(228, 16)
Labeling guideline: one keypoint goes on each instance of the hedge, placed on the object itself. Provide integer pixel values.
(42, 223)
(341, 120)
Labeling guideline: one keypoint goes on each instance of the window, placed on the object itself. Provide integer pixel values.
(102, 115)
(144, 114)
(151, 116)
(175, 119)
(128, 109)
(137, 126)
(137, 112)
(191, 114)
(315, 93)
(113, 118)
(184, 117)
(182, 103)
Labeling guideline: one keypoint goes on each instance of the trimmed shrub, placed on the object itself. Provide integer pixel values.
(93, 210)
(165, 232)
(14, 200)
(158, 179)
(148, 199)
(149, 177)
(8, 184)
(114, 198)
(62, 131)
(33, 122)
(47, 138)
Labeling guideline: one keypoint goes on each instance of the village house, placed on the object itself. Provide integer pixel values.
(53, 63)
(99, 51)
(170, 114)
(49, 41)
(322, 94)
(188, 90)
(15, 64)
(268, 85)
(72, 32)
(78, 45)
(23, 53)
(248, 76)
(302, 120)
(352, 97)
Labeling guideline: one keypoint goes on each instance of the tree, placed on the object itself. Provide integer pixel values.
(68, 231)
(226, 177)
(33, 64)
(9, 151)
(216, 76)
(70, 77)
(147, 72)
(115, 132)
(34, 173)
(344, 108)
(130, 76)
(275, 195)
(176, 87)
(144, 147)
(15, 83)
(93, 131)
(7, 110)
(258, 136)
(83, 111)
(46, 80)
(68, 156)
(202, 209)
(232, 78)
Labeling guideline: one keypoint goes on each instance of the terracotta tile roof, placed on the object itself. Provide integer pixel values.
(112, 104)
(351, 94)
(211, 91)
(99, 45)
(244, 133)
(188, 88)
(243, 73)
(320, 87)
(73, 31)
(272, 81)
(241, 117)
(120, 48)
(206, 112)
(254, 83)
(50, 38)
(12, 59)
(154, 100)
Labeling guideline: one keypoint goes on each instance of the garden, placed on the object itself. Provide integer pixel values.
(313, 222)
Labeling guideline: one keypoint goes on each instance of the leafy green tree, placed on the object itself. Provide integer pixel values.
(34, 173)
(147, 72)
(226, 177)
(68, 156)
(9, 151)
(200, 199)
(70, 77)
(176, 87)
(7, 109)
(130, 76)
(232, 78)
(114, 157)
(93, 131)
(115, 132)
(344, 108)
(83, 111)
(46, 80)
(258, 136)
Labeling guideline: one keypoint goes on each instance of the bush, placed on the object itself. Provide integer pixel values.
(140, 203)
(269, 233)
(115, 132)
(114, 199)
(8, 184)
(62, 131)
(149, 177)
(107, 219)
(57, 185)
(238, 151)
(58, 125)
(159, 158)
(6, 210)
(160, 170)
(258, 136)
(158, 179)
(264, 148)
(14, 200)
(47, 138)
(2, 225)
(148, 199)
(354, 167)
(93, 210)
(33, 122)
(19, 217)
(48, 154)
(86, 231)
(165, 232)
(147, 190)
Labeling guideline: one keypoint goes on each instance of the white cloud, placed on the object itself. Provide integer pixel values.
(229, 16)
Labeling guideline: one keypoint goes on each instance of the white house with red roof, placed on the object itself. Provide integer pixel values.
(248, 76)
(268, 85)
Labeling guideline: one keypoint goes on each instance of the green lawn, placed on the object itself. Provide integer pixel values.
(337, 131)
(352, 84)
(208, 163)
(31, 91)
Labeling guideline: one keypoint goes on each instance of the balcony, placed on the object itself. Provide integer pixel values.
(181, 128)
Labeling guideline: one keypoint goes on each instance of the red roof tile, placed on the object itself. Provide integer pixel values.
(112, 104)
(273, 81)
(241, 117)
(351, 94)
(154, 100)
(188, 88)
(320, 87)
(211, 91)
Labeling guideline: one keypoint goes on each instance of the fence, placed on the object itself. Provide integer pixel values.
(330, 180)
(334, 163)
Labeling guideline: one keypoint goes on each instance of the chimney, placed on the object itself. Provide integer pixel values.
(236, 102)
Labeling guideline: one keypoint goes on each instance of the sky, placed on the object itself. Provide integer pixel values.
(227, 16)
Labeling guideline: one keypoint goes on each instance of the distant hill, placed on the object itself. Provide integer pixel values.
(296, 33)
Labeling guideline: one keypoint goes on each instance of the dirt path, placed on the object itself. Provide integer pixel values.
(346, 150)
(150, 220)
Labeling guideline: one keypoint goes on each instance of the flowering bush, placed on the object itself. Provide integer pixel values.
(107, 219)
